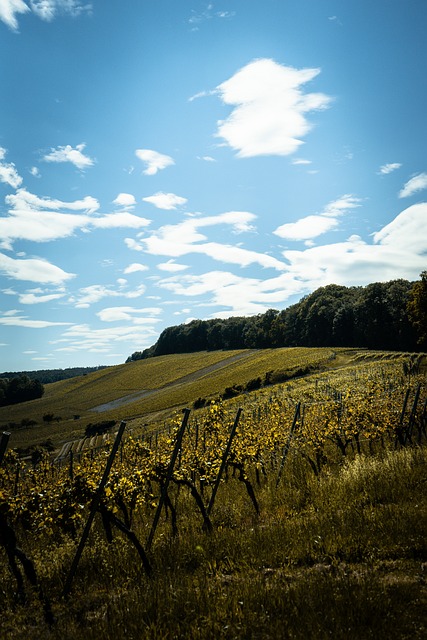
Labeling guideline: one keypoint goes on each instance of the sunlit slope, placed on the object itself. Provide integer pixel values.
(170, 381)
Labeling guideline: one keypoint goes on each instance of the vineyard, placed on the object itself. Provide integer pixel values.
(293, 510)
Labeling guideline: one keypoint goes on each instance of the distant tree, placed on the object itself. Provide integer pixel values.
(21, 389)
(417, 309)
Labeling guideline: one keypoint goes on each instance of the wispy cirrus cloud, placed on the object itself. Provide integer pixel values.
(14, 320)
(69, 154)
(166, 201)
(415, 184)
(185, 238)
(36, 296)
(8, 172)
(313, 226)
(86, 296)
(47, 10)
(270, 108)
(154, 161)
(147, 315)
(385, 169)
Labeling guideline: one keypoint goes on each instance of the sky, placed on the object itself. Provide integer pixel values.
(165, 160)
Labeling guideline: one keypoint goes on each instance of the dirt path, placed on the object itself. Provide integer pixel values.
(190, 377)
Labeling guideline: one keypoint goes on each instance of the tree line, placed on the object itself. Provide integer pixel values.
(382, 315)
(45, 376)
(19, 389)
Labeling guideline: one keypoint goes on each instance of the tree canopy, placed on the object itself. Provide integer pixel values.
(383, 315)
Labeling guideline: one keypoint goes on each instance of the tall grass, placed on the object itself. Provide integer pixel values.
(340, 556)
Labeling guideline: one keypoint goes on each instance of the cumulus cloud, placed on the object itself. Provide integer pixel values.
(41, 219)
(125, 200)
(154, 161)
(385, 169)
(165, 200)
(313, 226)
(415, 184)
(33, 270)
(269, 108)
(135, 267)
(69, 154)
(8, 172)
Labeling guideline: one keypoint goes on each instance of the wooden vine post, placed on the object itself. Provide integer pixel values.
(288, 443)
(94, 507)
(169, 474)
(3, 444)
(223, 461)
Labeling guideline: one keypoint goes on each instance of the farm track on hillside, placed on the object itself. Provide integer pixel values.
(190, 377)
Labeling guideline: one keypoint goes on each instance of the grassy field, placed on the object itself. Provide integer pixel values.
(335, 549)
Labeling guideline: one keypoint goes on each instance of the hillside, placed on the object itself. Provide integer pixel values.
(297, 509)
(150, 389)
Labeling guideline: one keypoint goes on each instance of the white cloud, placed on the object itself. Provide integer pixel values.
(389, 168)
(138, 316)
(24, 321)
(306, 228)
(8, 172)
(33, 270)
(48, 9)
(135, 267)
(165, 200)
(313, 226)
(85, 338)
(269, 115)
(301, 161)
(68, 154)
(184, 238)
(35, 172)
(125, 200)
(8, 11)
(31, 298)
(154, 160)
(415, 184)
(172, 266)
(398, 250)
(38, 219)
(96, 292)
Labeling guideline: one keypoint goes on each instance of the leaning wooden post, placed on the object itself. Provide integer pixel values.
(169, 473)
(288, 443)
(3, 444)
(95, 504)
(224, 461)
(408, 432)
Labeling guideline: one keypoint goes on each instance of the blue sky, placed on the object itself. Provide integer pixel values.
(165, 160)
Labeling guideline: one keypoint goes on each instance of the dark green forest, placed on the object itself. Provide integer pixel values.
(382, 315)
(19, 389)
